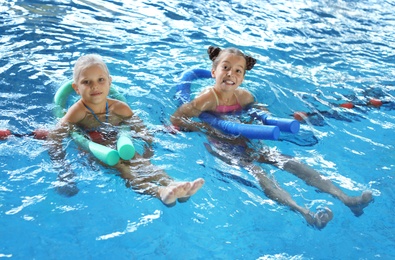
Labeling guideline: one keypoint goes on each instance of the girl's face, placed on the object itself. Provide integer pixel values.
(93, 85)
(229, 73)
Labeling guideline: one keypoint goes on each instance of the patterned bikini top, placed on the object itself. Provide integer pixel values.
(226, 109)
(102, 124)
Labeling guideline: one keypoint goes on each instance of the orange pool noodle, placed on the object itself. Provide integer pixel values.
(300, 116)
(348, 105)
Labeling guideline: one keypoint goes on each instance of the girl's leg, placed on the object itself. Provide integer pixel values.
(145, 178)
(315, 179)
(274, 192)
(271, 189)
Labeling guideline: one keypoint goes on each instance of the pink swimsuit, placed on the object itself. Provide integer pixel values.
(224, 108)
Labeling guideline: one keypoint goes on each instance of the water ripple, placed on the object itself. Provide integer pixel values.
(312, 57)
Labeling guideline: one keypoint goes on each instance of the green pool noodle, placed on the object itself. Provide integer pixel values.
(115, 94)
(60, 98)
(105, 154)
(125, 145)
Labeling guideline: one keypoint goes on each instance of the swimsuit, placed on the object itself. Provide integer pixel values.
(97, 118)
(97, 134)
(225, 108)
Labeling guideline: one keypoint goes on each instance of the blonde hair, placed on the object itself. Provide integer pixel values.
(87, 61)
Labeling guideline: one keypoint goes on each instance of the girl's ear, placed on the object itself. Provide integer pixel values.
(213, 73)
(75, 87)
(110, 79)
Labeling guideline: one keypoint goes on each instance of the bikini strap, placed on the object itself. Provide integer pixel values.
(237, 99)
(94, 115)
(215, 95)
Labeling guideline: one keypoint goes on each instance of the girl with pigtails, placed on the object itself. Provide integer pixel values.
(228, 69)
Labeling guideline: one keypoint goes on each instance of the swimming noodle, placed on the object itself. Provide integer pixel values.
(271, 129)
(250, 131)
(125, 147)
(285, 125)
(103, 153)
(183, 94)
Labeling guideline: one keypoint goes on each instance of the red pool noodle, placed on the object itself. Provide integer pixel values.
(348, 105)
(40, 134)
(4, 133)
(375, 102)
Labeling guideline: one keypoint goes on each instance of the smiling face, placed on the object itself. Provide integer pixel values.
(229, 72)
(93, 84)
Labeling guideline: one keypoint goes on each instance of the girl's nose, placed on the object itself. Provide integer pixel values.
(94, 85)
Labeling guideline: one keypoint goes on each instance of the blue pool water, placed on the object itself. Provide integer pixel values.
(312, 57)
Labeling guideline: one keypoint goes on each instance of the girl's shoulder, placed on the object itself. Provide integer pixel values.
(119, 108)
(244, 96)
(75, 113)
(205, 101)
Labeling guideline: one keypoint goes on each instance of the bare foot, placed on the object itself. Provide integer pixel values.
(195, 186)
(357, 204)
(169, 194)
(66, 185)
(179, 190)
(320, 219)
(67, 189)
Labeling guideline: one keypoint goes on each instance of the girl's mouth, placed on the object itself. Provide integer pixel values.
(228, 82)
(96, 94)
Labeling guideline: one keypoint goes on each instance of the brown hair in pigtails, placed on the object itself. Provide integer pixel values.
(213, 52)
(250, 62)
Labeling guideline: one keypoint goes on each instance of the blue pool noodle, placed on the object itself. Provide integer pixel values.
(249, 131)
(285, 125)
(184, 87)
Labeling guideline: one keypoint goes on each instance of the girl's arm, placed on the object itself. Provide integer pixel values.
(56, 151)
(182, 118)
(139, 130)
(57, 154)
(62, 130)
(137, 127)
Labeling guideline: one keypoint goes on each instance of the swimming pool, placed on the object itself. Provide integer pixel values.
(312, 57)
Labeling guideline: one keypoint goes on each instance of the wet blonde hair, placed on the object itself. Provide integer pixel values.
(87, 61)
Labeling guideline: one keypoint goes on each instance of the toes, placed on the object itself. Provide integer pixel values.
(196, 185)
